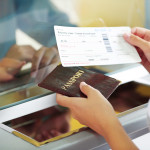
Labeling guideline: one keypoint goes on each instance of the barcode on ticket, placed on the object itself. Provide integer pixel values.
(107, 43)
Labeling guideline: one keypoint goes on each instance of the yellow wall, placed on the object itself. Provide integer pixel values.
(112, 12)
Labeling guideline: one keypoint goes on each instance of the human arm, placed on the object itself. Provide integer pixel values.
(140, 38)
(97, 113)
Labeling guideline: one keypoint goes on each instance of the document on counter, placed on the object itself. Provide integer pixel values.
(89, 46)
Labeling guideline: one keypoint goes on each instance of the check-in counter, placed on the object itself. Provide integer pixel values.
(26, 110)
(30, 99)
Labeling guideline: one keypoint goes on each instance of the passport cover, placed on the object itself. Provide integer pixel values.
(66, 81)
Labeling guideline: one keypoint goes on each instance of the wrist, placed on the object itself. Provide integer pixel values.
(111, 127)
(105, 126)
(117, 138)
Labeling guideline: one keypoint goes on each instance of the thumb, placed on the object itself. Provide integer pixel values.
(5, 77)
(139, 42)
(86, 89)
(11, 63)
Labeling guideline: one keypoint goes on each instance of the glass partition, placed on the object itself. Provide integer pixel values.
(28, 49)
(28, 53)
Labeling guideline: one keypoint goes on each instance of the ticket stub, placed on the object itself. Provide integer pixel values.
(90, 46)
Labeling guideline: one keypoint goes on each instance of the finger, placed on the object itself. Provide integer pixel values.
(4, 76)
(37, 59)
(55, 133)
(87, 89)
(137, 41)
(30, 51)
(66, 101)
(12, 63)
(46, 135)
(141, 32)
(56, 60)
(48, 57)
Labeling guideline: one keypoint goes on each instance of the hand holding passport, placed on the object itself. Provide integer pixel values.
(66, 81)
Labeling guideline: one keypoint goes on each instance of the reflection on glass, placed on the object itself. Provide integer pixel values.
(12, 98)
(27, 35)
(27, 41)
(45, 124)
(129, 95)
(28, 50)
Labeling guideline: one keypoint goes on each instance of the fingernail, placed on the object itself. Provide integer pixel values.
(127, 35)
(133, 30)
(82, 84)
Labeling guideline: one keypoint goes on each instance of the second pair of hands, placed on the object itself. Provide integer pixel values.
(18, 56)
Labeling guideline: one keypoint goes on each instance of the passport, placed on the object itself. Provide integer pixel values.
(66, 81)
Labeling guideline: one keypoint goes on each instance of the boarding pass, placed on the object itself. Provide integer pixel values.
(89, 46)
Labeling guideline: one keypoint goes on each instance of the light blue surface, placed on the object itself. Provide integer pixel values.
(147, 10)
(34, 17)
